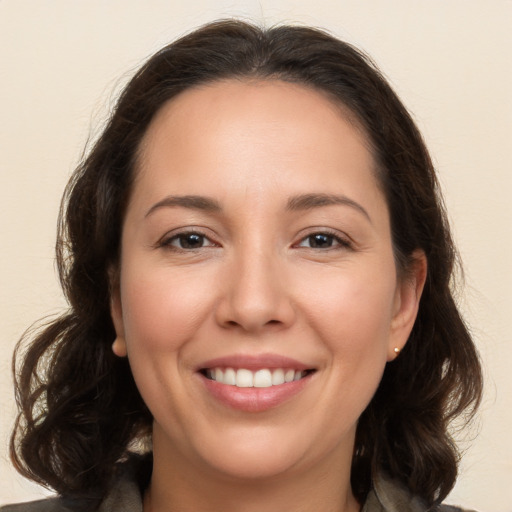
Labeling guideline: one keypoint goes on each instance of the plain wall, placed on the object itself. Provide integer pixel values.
(449, 60)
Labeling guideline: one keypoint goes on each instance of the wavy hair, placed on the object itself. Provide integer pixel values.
(80, 411)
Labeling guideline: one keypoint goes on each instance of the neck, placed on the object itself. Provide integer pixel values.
(178, 487)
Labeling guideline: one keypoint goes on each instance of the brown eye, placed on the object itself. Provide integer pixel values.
(188, 241)
(323, 241)
(320, 241)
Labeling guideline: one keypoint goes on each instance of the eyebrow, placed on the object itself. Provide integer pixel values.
(310, 201)
(190, 201)
(296, 203)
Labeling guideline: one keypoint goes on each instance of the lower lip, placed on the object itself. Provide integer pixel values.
(255, 399)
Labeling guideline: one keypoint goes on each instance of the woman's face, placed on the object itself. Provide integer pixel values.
(256, 249)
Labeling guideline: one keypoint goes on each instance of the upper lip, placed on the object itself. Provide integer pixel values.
(254, 362)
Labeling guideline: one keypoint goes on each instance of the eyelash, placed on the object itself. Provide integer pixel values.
(336, 242)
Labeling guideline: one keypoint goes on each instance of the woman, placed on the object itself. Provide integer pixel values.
(258, 267)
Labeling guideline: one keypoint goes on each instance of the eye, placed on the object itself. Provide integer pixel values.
(323, 241)
(188, 241)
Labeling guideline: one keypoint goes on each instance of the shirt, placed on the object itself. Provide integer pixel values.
(126, 494)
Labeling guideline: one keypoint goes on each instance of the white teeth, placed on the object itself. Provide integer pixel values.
(229, 377)
(277, 377)
(263, 378)
(289, 375)
(244, 378)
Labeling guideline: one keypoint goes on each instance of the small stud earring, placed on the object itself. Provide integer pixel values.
(397, 351)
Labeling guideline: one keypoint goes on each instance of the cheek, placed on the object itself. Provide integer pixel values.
(352, 307)
(355, 326)
(161, 310)
(351, 313)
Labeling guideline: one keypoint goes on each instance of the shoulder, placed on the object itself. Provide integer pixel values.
(451, 508)
(47, 505)
(389, 495)
(124, 495)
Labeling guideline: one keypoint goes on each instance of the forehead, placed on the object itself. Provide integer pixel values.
(251, 134)
(242, 103)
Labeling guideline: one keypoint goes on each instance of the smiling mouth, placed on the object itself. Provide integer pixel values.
(263, 378)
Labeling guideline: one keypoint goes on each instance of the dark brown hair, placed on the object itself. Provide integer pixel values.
(80, 409)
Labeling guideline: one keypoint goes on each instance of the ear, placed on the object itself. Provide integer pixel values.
(406, 303)
(116, 313)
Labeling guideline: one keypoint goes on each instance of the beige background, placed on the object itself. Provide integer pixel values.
(450, 60)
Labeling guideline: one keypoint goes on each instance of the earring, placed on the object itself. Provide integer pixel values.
(397, 351)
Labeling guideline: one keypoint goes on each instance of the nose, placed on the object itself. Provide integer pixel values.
(256, 295)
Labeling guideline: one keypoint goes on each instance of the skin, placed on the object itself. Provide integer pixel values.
(256, 281)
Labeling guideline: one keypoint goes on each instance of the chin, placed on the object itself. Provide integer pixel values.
(257, 465)
(251, 454)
